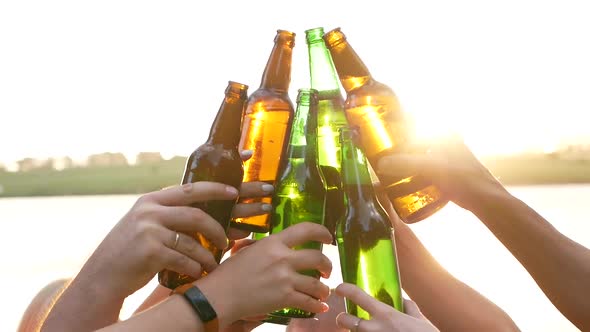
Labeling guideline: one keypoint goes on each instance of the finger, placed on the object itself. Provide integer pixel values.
(311, 259)
(246, 154)
(359, 297)
(348, 321)
(255, 189)
(307, 303)
(251, 209)
(236, 234)
(239, 245)
(311, 286)
(303, 232)
(189, 220)
(190, 193)
(190, 247)
(177, 262)
(411, 308)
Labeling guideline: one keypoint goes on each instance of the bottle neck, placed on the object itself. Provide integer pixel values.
(356, 178)
(311, 136)
(277, 73)
(297, 142)
(226, 128)
(351, 70)
(321, 70)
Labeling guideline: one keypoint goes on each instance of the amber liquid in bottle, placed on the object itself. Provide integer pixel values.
(266, 127)
(373, 110)
(218, 160)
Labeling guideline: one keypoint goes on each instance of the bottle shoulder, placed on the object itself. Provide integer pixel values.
(269, 101)
(213, 162)
(299, 177)
(216, 152)
(269, 95)
(366, 216)
(373, 94)
(372, 88)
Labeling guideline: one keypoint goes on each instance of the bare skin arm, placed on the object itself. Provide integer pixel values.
(278, 284)
(449, 304)
(559, 265)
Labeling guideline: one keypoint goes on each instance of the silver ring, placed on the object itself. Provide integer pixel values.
(176, 239)
(357, 324)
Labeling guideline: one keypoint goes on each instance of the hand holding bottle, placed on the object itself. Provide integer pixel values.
(269, 277)
(383, 317)
(451, 166)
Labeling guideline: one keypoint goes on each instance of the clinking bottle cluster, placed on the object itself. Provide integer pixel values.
(318, 155)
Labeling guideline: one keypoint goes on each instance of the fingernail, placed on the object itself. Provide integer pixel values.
(268, 188)
(231, 190)
(247, 153)
(325, 307)
(266, 207)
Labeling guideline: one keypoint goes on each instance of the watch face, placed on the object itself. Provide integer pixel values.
(200, 303)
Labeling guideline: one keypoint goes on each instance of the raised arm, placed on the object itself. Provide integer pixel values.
(270, 281)
(430, 285)
(559, 265)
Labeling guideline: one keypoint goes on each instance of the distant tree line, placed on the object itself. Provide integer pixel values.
(106, 159)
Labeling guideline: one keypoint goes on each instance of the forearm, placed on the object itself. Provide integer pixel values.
(82, 307)
(159, 294)
(560, 266)
(447, 302)
(173, 314)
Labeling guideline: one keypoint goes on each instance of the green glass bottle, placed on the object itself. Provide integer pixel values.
(365, 237)
(301, 192)
(331, 117)
(258, 236)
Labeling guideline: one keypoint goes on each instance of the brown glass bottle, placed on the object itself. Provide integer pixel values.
(218, 160)
(267, 125)
(373, 109)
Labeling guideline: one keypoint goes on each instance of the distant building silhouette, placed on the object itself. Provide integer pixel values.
(61, 163)
(148, 158)
(107, 159)
(26, 164)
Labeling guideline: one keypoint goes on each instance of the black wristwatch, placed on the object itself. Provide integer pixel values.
(200, 304)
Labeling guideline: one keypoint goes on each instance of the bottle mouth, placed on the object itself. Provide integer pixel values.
(334, 37)
(237, 88)
(314, 35)
(307, 96)
(286, 37)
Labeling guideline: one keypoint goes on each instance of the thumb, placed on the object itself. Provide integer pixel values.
(411, 308)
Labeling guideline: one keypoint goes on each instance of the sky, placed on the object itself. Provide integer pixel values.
(83, 77)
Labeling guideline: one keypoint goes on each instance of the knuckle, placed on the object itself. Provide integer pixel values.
(181, 260)
(283, 276)
(144, 212)
(145, 231)
(152, 251)
(277, 256)
(143, 199)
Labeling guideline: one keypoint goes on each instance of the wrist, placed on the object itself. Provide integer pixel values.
(490, 199)
(222, 302)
